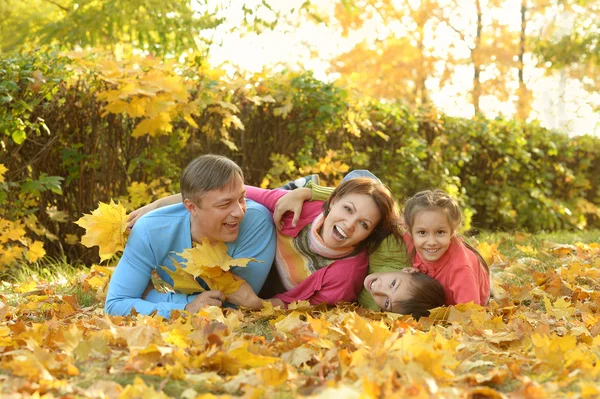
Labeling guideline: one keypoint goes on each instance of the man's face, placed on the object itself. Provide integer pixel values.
(218, 214)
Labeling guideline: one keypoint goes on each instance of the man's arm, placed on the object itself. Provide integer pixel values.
(131, 277)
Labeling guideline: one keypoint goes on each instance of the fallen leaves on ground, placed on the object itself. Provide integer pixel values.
(540, 340)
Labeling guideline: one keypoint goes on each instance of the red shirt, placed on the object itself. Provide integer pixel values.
(342, 280)
(459, 271)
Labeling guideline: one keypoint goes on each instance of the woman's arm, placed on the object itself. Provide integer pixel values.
(159, 203)
(291, 202)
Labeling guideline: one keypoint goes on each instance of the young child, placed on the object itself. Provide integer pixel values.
(432, 219)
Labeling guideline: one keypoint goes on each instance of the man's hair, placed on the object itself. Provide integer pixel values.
(427, 293)
(207, 173)
(390, 213)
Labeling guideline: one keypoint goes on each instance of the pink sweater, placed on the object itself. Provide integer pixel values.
(459, 271)
(341, 280)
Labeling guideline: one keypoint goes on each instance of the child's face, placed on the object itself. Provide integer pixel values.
(431, 232)
(390, 287)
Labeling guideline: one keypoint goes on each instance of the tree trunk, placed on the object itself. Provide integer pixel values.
(523, 106)
(477, 61)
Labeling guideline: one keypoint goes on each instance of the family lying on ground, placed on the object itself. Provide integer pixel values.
(342, 245)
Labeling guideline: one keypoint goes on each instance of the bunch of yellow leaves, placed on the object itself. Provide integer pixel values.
(106, 227)
(212, 263)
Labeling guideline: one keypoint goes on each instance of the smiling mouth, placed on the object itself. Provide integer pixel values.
(339, 233)
(371, 284)
(431, 251)
(231, 225)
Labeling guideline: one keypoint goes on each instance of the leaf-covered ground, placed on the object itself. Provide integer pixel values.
(538, 339)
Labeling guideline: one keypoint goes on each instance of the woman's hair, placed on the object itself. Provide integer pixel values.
(427, 293)
(207, 173)
(390, 213)
(431, 200)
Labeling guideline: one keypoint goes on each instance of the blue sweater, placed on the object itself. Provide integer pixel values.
(158, 235)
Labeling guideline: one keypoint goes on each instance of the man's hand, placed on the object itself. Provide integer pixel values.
(293, 202)
(208, 298)
(245, 296)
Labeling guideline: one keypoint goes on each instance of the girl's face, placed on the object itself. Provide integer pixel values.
(351, 219)
(390, 287)
(431, 232)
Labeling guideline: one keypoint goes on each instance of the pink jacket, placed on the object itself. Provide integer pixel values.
(459, 271)
(342, 280)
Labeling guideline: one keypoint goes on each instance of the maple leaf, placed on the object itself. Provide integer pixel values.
(209, 262)
(35, 251)
(106, 228)
(183, 281)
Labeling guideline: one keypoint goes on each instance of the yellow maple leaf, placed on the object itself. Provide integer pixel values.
(105, 227)
(154, 126)
(71, 239)
(527, 249)
(3, 170)
(10, 254)
(183, 281)
(488, 251)
(209, 262)
(35, 251)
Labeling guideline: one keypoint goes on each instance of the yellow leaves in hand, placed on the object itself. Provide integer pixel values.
(106, 228)
(209, 262)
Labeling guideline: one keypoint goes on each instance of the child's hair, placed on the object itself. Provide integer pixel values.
(390, 213)
(427, 293)
(433, 200)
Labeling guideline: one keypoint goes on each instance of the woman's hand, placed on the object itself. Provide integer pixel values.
(292, 202)
(138, 213)
(159, 203)
(246, 297)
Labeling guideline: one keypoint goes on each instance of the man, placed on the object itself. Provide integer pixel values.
(214, 208)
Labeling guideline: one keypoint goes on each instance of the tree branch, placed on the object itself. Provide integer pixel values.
(58, 5)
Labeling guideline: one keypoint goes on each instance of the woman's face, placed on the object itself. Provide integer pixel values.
(390, 287)
(351, 219)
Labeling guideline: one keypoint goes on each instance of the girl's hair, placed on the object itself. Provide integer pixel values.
(427, 293)
(429, 200)
(390, 213)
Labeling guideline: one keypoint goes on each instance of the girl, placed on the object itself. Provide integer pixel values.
(432, 219)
